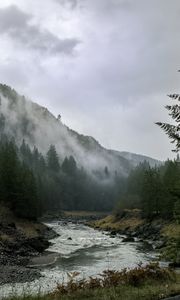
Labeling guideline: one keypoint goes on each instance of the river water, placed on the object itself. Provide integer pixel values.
(85, 250)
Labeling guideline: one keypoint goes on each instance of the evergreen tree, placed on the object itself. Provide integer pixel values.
(9, 172)
(173, 131)
(176, 211)
(171, 179)
(25, 153)
(69, 166)
(27, 203)
(106, 172)
(52, 159)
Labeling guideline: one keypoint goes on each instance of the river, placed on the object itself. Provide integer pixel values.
(82, 249)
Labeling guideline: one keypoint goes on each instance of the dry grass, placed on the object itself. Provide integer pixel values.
(148, 283)
(4, 237)
(29, 229)
(112, 223)
(171, 230)
(82, 213)
(111, 278)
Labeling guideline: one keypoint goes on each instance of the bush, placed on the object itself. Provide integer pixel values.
(111, 278)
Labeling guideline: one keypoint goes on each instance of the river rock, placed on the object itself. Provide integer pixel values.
(174, 264)
(14, 274)
(12, 225)
(17, 247)
(113, 233)
(159, 245)
(128, 239)
(148, 231)
(148, 246)
(49, 233)
(38, 243)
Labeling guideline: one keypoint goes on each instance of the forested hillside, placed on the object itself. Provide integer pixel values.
(44, 165)
(23, 119)
(32, 183)
(154, 190)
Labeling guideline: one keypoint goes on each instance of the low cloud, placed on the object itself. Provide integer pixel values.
(17, 25)
(71, 3)
(115, 88)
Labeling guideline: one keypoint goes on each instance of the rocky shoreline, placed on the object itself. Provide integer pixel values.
(131, 225)
(158, 234)
(144, 233)
(23, 245)
(17, 248)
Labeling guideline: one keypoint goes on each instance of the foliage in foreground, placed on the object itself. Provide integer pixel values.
(111, 278)
(172, 130)
(150, 282)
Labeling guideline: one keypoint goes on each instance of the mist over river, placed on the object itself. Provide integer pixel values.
(82, 249)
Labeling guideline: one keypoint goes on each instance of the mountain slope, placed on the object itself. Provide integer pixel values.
(23, 119)
(135, 159)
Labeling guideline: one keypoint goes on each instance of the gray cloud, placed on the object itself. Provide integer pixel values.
(16, 24)
(115, 88)
(101, 5)
(71, 3)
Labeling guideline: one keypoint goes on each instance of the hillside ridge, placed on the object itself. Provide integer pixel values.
(24, 119)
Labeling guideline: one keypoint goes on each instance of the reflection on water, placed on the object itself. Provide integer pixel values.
(83, 249)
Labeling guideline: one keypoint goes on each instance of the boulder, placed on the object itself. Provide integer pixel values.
(38, 243)
(113, 232)
(128, 239)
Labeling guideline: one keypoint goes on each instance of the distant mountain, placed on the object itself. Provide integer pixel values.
(135, 159)
(24, 119)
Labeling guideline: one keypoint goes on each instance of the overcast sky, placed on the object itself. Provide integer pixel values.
(105, 65)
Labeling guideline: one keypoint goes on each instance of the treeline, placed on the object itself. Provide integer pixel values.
(18, 188)
(156, 191)
(32, 183)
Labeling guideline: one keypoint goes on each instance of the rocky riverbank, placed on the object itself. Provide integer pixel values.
(159, 234)
(130, 224)
(74, 216)
(20, 241)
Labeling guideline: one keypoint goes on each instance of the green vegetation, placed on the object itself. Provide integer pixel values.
(171, 251)
(89, 178)
(150, 282)
(156, 191)
(173, 130)
(129, 219)
(17, 182)
(31, 183)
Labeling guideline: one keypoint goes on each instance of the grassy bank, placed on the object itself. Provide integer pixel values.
(146, 283)
(130, 221)
(171, 251)
(82, 213)
(30, 229)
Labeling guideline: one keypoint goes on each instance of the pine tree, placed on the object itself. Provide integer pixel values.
(106, 171)
(9, 172)
(27, 203)
(69, 166)
(25, 153)
(52, 159)
(177, 211)
(173, 131)
(151, 194)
